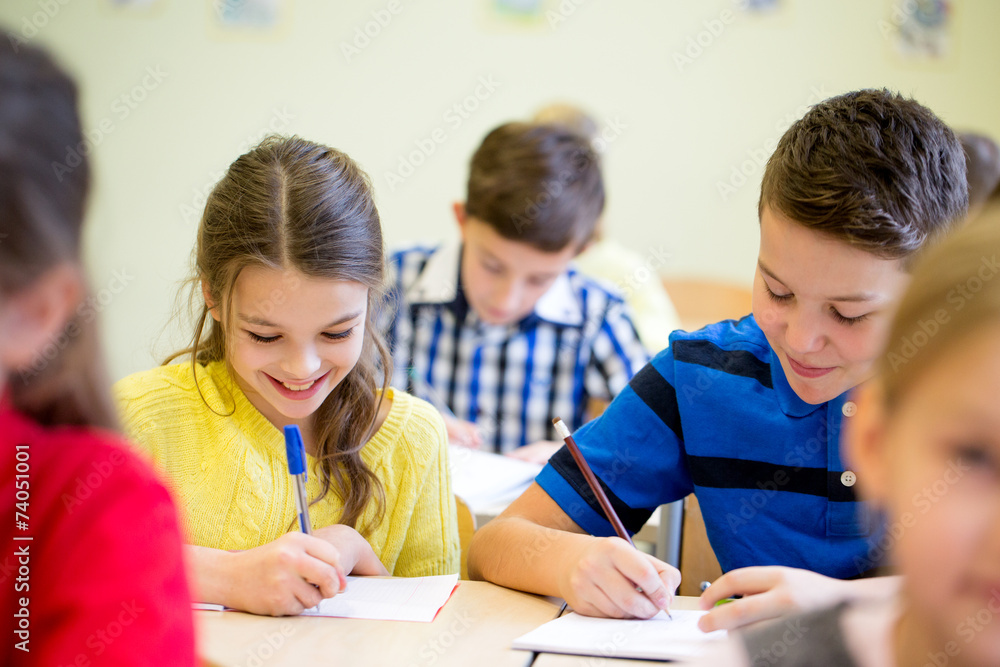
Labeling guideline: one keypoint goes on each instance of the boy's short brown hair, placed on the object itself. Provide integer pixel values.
(539, 184)
(871, 168)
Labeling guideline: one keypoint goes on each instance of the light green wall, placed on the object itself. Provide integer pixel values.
(683, 129)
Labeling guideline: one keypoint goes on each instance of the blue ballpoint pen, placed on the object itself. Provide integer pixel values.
(296, 452)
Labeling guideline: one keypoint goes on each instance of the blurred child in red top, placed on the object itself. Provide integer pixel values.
(90, 552)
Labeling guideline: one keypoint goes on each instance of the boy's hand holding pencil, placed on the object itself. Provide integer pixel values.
(612, 578)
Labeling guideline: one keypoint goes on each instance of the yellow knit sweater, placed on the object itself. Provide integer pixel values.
(230, 474)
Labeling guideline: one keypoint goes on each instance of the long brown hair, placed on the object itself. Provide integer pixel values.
(293, 204)
(42, 200)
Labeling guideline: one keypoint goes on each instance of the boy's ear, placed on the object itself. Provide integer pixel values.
(37, 315)
(863, 438)
(458, 208)
(213, 308)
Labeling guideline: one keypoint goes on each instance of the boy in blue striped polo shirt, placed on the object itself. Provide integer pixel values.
(747, 414)
(498, 331)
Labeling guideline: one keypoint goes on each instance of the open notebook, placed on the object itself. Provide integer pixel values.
(659, 638)
(384, 599)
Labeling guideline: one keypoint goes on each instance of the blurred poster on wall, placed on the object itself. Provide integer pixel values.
(251, 18)
(920, 30)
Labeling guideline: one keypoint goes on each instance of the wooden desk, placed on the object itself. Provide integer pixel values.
(557, 660)
(475, 627)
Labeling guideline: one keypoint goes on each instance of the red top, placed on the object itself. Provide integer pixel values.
(101, 579)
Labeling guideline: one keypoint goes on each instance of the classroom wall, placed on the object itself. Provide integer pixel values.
(690, 91)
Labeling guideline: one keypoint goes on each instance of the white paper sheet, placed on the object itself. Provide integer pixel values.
(659, 638)
(395, 599)
(483, 479)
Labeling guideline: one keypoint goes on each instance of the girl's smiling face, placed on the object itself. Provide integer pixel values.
(293, 338)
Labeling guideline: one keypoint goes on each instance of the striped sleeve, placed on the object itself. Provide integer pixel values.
(635, 449)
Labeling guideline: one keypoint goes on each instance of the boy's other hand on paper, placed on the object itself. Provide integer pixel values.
(356, 554)
(768, 592)
(537, 452)
(462, 433)
(286, 576)
(605, 575)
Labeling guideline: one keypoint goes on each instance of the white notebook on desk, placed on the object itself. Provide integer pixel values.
(390, 599)
(381, 599)
(483, 479)
(659, 638)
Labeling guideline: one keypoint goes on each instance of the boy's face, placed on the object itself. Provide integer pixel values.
(824, 306)
(503, 279)
(934, 465)
(294, 339)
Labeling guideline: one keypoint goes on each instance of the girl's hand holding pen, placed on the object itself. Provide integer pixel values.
(605, 575)
(286, 576)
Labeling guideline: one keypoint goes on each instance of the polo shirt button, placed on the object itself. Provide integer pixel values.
(848, 478)
(849, 409)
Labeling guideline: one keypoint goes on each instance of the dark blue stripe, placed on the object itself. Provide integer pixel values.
(619, 350)
(728, 473)
(432, 349)
(477, 364)
(529, 365)
(659, 395)
(632, 518)
(734, 362)
(501, 412)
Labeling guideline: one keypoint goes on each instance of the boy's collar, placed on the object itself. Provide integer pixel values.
(438, 283)
(788, 400)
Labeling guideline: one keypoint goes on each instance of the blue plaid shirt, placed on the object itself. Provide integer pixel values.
(579, 343)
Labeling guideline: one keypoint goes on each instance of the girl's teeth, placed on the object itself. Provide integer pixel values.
(298, 387)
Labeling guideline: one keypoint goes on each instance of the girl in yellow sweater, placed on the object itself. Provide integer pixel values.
(290, 262)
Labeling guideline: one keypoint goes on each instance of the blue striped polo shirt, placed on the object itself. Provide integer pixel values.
(714, 414)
